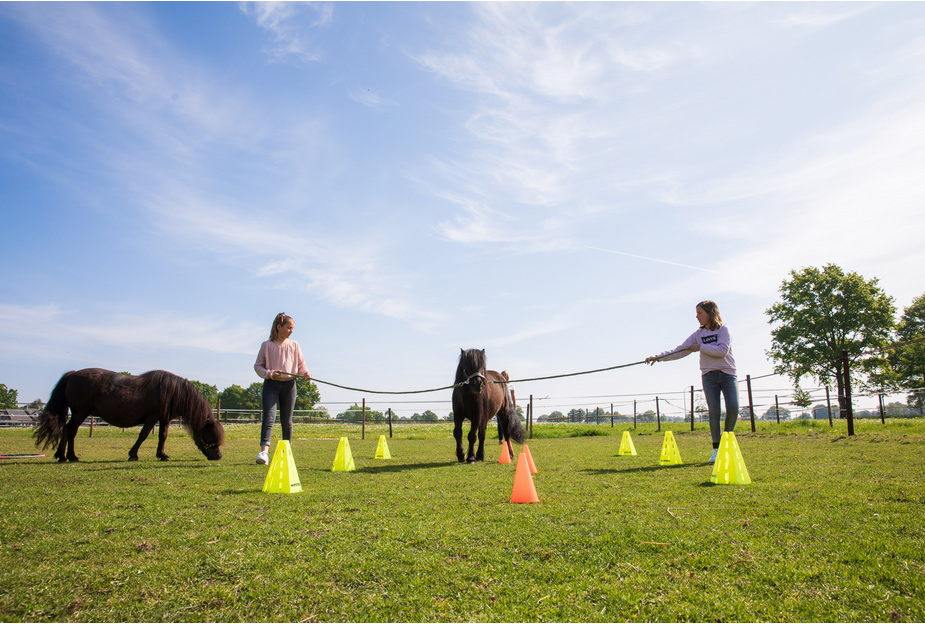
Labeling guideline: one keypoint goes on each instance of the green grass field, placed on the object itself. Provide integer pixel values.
(831, 529)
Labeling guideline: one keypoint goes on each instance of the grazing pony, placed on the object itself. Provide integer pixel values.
(155, 398)
(482, 395)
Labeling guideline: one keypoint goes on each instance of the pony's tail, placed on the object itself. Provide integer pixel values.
(50, 428)
(515, 428)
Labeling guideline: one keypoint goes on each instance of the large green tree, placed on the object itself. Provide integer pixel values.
(822, 313)
(236, 397)
(209, 392)
(907, 358)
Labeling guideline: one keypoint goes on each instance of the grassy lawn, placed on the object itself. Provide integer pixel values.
(831, 529)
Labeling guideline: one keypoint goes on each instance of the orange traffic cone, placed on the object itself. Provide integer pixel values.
(505, 457)
(524, 491)
(530, 463)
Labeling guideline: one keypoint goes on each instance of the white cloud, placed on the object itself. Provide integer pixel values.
(370, 98)
(282, 20)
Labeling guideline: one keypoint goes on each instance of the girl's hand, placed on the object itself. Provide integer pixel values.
(652, 359)
(694, 347)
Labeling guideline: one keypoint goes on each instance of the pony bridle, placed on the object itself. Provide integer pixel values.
(475, 375)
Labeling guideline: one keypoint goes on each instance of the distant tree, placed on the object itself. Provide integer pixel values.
(236, 397)
(255, 393)
(702, 410)
(9, 397)
(37, 404)
(908, 359)
(320, 411)
(771, 414)
(354, 413)
(801, 397)
(557, 415)
(307, 395)
(822, 313)
(647, 416)
(209, 392)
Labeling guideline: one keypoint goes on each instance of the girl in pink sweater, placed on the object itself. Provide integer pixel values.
(278, 362)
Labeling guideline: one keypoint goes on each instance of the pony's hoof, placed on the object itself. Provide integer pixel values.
(164, 458)
(62, 460)
(471, 460)
(133, 458)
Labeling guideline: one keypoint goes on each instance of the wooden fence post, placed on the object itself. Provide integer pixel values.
(658, 416)
(390, 422)
(882, 419)
(828, 404)
(849, 411)
(777, 408)
(363, 431)
(751, 403)
(692, 408)
(634, 413)
(531, 416)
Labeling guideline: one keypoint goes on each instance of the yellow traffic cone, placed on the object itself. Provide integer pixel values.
(729, 467)
(343, 461)
(382, 450)
(282, 476)
(626, 445)
(670, 453)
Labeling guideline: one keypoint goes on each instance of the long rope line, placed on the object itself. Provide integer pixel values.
(462, 383)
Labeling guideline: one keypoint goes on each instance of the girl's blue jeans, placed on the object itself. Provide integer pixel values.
(716, 383)
(283, 394)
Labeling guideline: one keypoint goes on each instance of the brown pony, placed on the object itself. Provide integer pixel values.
(154, 398)
(482, 395)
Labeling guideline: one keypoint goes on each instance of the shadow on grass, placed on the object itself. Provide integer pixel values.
(400, 467)
(604, 471)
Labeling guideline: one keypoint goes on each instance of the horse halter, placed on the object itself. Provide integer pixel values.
(474, 375)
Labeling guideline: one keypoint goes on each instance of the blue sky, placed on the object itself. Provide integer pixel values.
(556, 183)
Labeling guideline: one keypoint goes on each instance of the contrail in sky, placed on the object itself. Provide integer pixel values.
(623, 253)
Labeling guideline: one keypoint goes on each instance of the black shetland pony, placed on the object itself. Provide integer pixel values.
(482, 395)
(154, 398)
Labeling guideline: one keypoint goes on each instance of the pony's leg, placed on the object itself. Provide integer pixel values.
(457, 433)
(480, 454)
(142, 436)
(65, 450)
(162, 439)
(473, 432)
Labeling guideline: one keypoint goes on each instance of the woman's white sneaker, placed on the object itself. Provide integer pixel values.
(263, 458)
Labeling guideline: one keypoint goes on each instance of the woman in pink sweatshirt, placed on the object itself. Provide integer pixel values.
(717, 367)
(278, 362)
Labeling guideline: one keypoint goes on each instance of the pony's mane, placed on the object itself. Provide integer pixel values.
(180, 397)
(470, 361)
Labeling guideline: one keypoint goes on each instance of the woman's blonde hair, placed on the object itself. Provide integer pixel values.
(281, 319)
(709, 306)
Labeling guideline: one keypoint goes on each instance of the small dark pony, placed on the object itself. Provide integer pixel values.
(154, 398)
(482, 395)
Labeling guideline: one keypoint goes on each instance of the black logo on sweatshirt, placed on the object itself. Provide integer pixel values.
(709, 339)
